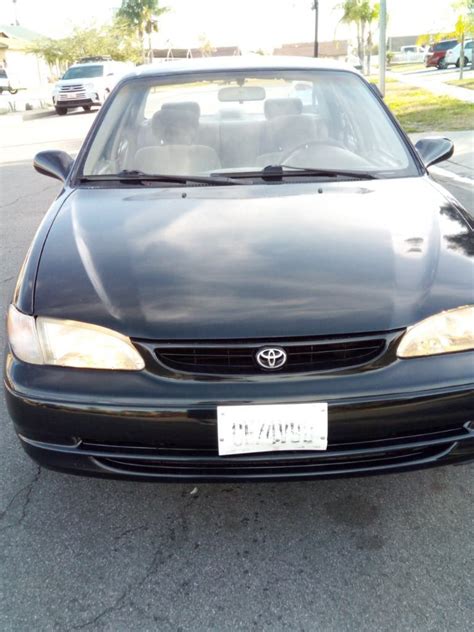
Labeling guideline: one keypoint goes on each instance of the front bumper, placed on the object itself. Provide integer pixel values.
(432, 62)
(140, 426)
(89, 99)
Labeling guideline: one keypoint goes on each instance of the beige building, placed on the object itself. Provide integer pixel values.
(24, 69)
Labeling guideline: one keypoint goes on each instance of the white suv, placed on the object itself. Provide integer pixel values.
(87, 84)
(454, 54)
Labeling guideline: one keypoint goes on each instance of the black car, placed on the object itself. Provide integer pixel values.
(239, 284)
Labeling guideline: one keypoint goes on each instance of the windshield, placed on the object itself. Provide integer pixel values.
(245, 121)
(84, 72)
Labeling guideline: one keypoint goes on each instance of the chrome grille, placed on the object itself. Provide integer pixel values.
(72, 88)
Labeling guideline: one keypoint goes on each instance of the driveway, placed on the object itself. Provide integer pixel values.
(390, 553)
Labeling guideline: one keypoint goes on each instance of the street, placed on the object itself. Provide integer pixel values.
(378, 553)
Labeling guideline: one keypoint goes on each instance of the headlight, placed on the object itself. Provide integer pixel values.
(89, 86)
(70, 343)
(447, 332)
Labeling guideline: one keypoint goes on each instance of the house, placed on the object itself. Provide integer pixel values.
(395, 43)
(166, 54)
(24, 69)
(337, 49)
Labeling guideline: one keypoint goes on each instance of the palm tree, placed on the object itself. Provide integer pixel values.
(142, 16)
(370, 14)
(361, 13)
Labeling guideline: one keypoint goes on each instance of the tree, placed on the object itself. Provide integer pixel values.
(361, 13)
(427, 39)
(205, 45)
(370, 14)
(142, 16)
(115, 41)
(464, 26)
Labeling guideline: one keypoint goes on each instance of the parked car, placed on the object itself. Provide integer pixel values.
(282, 292)
(453, 55)
(411, 54)
(5, 83)
(88, 83)
(437, 52)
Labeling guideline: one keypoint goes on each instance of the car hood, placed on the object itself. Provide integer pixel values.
(79, 80)
(256, 261)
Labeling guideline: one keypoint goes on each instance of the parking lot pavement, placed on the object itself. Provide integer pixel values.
(380, 553)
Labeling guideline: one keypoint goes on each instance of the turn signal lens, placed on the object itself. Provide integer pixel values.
(22, 336)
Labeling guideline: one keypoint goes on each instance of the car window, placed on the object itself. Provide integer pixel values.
(445, 45)
(203, 124)
(84, 72)
(3, 73)
(468, 45)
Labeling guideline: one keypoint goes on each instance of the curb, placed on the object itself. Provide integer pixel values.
(36, 114)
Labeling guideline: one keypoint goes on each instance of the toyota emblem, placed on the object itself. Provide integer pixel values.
(271, 357)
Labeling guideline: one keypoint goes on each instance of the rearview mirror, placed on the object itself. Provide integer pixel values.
(434, 149)
(56, 164)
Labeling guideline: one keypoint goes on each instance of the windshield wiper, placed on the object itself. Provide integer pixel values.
(277, 172)
(138, 177)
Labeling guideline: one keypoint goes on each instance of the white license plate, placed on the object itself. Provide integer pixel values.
(73, 95)
(272, 428)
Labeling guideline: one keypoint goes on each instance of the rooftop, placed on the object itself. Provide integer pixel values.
(19, 32)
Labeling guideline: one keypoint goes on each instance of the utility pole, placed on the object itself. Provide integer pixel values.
(316, 18)
(382, 45)
(15, 14)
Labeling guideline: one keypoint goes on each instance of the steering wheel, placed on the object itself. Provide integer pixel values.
(312, 143)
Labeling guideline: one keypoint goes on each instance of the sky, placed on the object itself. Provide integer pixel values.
(248, 23)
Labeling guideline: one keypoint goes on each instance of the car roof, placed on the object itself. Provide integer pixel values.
(239, 62)
(88, 63)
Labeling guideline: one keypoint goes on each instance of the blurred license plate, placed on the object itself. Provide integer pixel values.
(272, 428)
(73, 95)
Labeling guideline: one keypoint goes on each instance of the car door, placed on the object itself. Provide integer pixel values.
(468, 50)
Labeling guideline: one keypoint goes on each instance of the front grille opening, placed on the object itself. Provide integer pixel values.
(235, 359)
(209, 448)
(271, 465)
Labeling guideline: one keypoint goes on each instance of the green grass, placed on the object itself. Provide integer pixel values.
(421, 111)
(407, 67)
(463, 83)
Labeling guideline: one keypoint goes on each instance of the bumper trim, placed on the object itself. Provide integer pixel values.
(158, 454)
(162, 465)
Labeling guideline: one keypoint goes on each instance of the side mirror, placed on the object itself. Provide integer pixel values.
(56, 164)
(434, 149)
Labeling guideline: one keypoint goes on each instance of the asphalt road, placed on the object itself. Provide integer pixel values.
(381, 553)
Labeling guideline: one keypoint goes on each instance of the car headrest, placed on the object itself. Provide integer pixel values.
(292, 130)
(176, 123)
(282, 107)
(190, 106)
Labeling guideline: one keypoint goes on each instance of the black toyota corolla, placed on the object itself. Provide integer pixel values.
(248, 275)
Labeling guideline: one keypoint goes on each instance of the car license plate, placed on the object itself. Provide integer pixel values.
(272, 428)
(72, 95)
